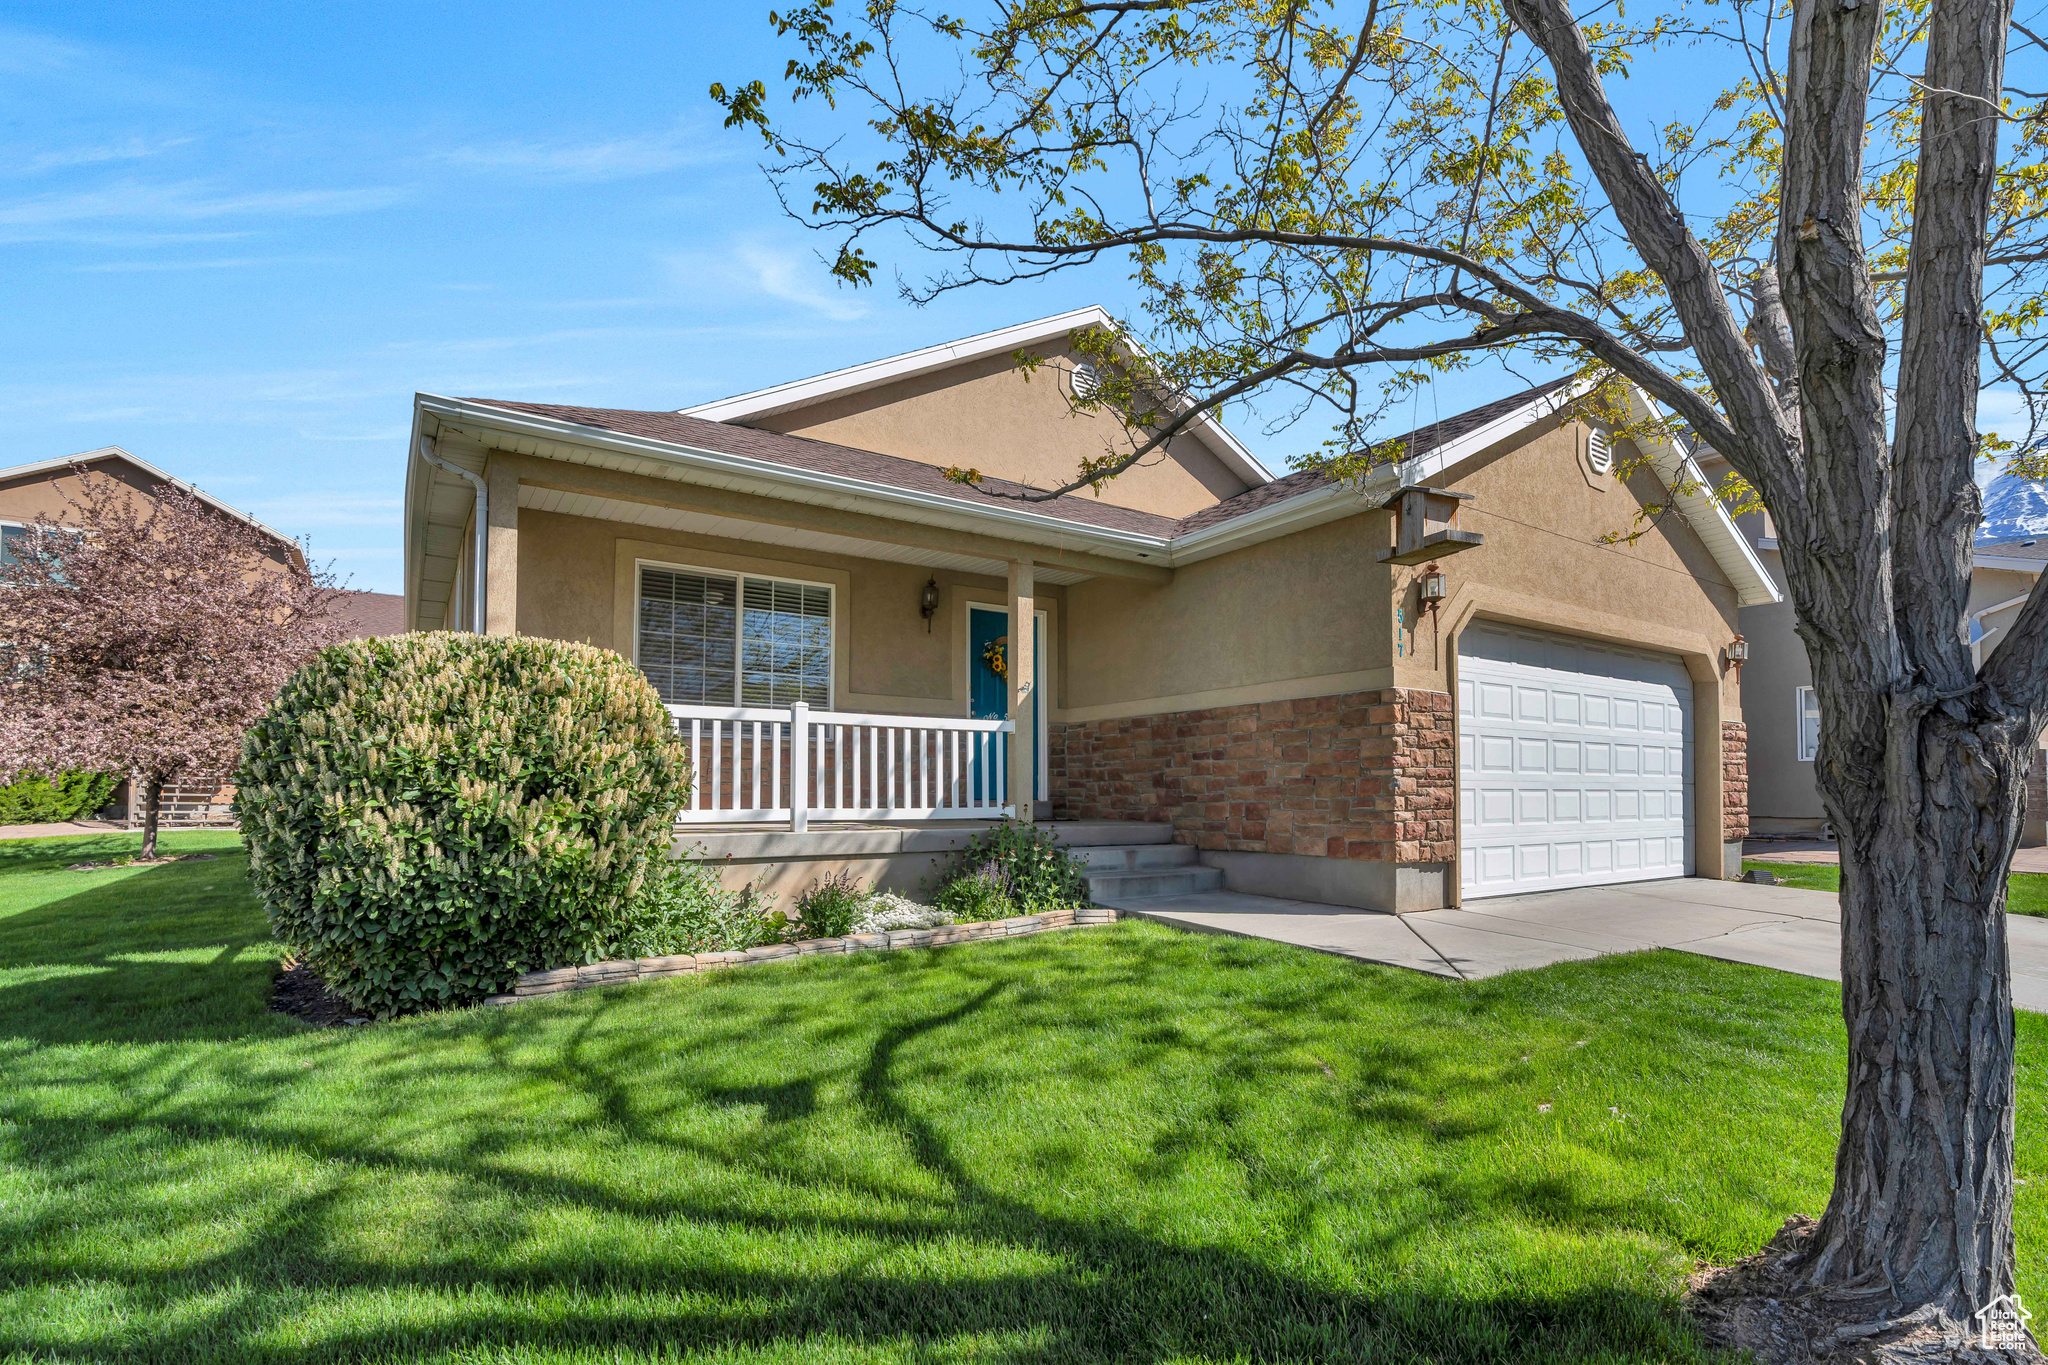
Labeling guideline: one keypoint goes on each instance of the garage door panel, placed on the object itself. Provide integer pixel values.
(1575, 762)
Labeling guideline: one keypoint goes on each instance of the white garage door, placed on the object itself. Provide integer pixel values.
(1575, 763)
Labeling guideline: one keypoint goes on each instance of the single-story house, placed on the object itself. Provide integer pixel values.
(48, 488)
(1432, 685)
(1777, 683)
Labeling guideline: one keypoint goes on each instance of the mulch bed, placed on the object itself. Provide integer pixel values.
(144, 862)
(305, 997)
(1755, 1305)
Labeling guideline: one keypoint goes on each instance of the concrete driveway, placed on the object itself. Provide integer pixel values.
(1765, 926)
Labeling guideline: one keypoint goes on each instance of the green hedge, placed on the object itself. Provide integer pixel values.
(428, 816)
(39, 801)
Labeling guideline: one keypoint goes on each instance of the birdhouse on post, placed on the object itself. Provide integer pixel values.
(1425, 525)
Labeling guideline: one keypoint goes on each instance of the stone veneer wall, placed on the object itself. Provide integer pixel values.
(1734, 781)
(1371, 776)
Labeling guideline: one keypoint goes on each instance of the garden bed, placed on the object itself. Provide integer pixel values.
(615, 973)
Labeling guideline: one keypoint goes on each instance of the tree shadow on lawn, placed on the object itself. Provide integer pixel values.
(174, 952)
(1063, 1283)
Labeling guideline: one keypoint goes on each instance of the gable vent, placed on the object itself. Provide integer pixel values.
(1599, 453)
(1086, 379)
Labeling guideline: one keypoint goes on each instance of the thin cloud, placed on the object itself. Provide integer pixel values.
(63, 158)
(54, 215)
(617, 159)
(331, 509)
(748, 270)
(226, 263)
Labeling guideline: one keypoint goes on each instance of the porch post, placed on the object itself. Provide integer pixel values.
(502, 596)
(1022, 669)
(799, 767)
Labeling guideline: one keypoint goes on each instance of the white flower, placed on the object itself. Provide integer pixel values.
(887, 911)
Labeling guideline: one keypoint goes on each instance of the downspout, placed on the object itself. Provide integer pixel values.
(479, 579)
(1977, 621)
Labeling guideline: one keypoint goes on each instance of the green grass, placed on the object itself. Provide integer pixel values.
(1120, 1144)
(2026, 893)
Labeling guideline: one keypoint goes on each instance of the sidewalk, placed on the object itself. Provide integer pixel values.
(64, 827)
(1825, 851)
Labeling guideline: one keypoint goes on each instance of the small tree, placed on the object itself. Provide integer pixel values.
(145, 637)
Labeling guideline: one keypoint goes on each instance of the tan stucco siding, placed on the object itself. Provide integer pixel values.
(1544, 512)
(1783, 797)
(1300, 616)
(1314, 613)
(989, 415)
(577, 582)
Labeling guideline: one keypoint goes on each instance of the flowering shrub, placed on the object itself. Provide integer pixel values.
(684, 909)
(1012, 869)
(829, 908)
(888, 911)
(428, 816)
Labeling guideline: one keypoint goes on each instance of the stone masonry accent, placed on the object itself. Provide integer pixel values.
(1734, 781)
(625, 970)
(1371, 776)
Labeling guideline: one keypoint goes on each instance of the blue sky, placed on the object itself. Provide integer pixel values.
(240, 237)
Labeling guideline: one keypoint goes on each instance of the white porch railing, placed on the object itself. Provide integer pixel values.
(768, 764)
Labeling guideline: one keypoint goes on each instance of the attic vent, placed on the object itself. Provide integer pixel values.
(1599, 453)
(1086, 379)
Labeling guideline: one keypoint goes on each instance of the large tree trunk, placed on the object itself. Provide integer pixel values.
(152, 805)
(1922, 1207)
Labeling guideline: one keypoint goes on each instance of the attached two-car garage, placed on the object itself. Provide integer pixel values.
(1575, 762)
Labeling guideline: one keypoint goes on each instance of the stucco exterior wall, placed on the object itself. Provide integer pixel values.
(989, 415)
(577, 582)
(1316, 614)
(50, 494)
(1783, 798)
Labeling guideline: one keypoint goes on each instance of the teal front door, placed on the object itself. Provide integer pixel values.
(988, 693)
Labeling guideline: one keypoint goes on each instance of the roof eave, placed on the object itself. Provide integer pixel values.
(872, 374)
(771, 479)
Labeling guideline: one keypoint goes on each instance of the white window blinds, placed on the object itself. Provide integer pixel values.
(1809, 724)
(734, 639)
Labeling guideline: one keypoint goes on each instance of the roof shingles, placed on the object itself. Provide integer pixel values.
(823, 457)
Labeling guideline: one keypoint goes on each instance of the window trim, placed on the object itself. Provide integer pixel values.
(1799, 696)
(739, 635)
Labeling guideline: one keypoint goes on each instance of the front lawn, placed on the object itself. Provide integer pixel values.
(1121, 1144)
(2026, 893)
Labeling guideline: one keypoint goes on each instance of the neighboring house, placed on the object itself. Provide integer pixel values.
(1783, 712)
(1243, 664)
(47, 488)
(375, 613)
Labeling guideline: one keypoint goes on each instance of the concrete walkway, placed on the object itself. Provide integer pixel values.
(1819, 851)
(1765, 926)
(62, 828)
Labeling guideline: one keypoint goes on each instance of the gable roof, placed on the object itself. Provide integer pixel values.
(64, 463)
(848, 462)
(1279, 507)
(798, 393)
(1415, 444)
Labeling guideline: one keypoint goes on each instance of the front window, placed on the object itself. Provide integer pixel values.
(13, 540)
(1809, 724)
(734, 639)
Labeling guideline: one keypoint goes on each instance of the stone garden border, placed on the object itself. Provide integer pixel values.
(536, 984)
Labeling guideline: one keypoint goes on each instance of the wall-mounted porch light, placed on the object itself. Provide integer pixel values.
(1738, 652)
(1433, 587)
(928, 603)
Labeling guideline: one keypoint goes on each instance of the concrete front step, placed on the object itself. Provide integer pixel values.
(1132, 857)
(1095, 833)
(1121, 888)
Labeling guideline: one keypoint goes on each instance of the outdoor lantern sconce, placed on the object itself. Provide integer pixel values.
(1425, 525)
(1738, 652)
(928, 603)
(1431, 586)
